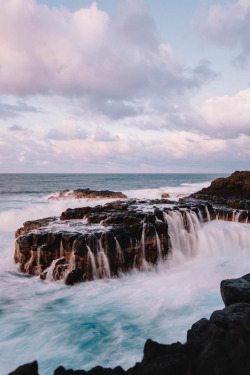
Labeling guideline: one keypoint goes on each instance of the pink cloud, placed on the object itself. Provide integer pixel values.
(87, 52)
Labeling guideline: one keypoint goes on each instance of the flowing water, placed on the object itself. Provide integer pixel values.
(106, 322)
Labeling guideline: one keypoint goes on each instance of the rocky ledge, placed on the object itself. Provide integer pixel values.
(87, 193)
(216, 346)
(87, 243)
(232, 191)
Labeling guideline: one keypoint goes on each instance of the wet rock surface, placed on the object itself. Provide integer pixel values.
(218, 346)
(87, 193)
(88, 243)
(233, 191)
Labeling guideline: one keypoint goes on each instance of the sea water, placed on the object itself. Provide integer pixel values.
(106, 322)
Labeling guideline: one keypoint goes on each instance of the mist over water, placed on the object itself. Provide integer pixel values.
(106, 322)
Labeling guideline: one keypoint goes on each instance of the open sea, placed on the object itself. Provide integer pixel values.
(106, 322)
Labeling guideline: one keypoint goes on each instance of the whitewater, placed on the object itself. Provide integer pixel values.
(106, 322)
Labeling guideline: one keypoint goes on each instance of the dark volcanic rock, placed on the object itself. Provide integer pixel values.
(198, 330)
(233, 316)
(87, 193)
(28, 369)
(112, 239)
(236, 290)
(105, 241)
(224, 352)
(233, 191)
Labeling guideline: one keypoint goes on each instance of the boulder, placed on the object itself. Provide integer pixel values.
(233, 316)
(236, 290)
(165, 196)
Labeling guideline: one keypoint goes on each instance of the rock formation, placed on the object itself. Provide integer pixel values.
(233, 191)
(216, 346)
(87, 193)
(87, 243)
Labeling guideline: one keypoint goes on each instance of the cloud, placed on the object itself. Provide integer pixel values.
(15, 128)
(10, 110)
(107, 152)
(46, 50)
(66, 130)
(102, 135)
(227, 25)
(226, 116)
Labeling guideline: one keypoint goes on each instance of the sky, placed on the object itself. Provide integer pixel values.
(124, 86)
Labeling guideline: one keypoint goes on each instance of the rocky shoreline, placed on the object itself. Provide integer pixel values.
(216, 346)
(232, 191)
(88, 243)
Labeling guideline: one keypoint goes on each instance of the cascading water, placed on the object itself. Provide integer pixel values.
(119, 253)
(93, 263)
(190, 237)
(236, 216)
(103, 262)
(208, 214)
(159, 246)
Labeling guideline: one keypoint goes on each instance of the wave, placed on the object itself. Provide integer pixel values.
(12, 219)
(107, 322)
(175, 192)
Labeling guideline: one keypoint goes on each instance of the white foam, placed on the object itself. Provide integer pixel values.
(174, 192)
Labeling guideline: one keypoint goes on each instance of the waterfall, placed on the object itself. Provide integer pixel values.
(236, 216)
(143, 241)
(190, 237)
(159, 246)
(93, 264)
(183, 229)
(30, 262)
(219, 237)
(50, 271)
(208, 214)
(119, 253)
(103, 262)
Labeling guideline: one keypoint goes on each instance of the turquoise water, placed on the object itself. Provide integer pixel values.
(106, 322)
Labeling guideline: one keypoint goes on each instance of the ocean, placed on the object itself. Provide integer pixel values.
(106, 322)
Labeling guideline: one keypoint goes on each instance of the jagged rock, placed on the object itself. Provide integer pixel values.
(236, 290)
(198, 330)
(233, 191)
(27, 369)
(87, 193)
(233, 316)
(224, 352)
